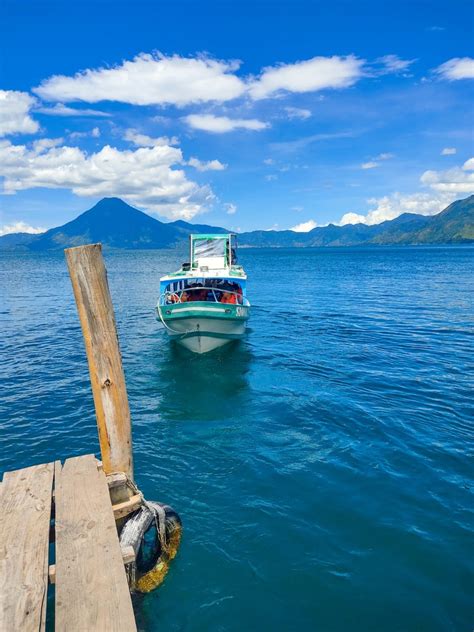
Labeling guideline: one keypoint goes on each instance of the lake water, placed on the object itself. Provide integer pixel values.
(322, 468)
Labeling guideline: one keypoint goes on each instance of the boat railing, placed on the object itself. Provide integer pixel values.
(187, 295)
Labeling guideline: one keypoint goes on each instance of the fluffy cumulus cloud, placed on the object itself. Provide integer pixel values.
(20, 227)
(15, 110)
(457, 68)
(142, 140)
(318, 73)
(210, 165)
(222, 124)
(146, 177)
(369, 165)
(391, 206)
(304, 227)
(446, 186)
(351, 218)
(148, 80)
(158, 79)
(41, 145)
(456, 181)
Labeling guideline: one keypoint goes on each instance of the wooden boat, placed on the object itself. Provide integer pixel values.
(204, 304)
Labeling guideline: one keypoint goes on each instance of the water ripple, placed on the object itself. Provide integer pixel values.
(323, 468)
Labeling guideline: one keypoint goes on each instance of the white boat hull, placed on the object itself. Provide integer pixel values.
(202, 343)
(202, 327)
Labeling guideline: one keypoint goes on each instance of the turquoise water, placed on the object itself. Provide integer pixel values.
(322, 468)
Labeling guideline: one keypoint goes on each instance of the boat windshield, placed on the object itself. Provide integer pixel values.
(213, 251)
(209, 248)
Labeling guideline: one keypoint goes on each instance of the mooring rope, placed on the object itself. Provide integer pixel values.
(156, 510)
(168, 531)
(175, 331)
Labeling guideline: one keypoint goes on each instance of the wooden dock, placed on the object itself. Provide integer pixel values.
(59, 523)
(63, 514)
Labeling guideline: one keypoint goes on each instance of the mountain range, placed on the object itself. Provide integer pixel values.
(116, 224)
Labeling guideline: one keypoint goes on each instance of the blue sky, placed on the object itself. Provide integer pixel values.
(241, 114)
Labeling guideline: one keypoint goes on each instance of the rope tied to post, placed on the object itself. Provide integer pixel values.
(152, 554)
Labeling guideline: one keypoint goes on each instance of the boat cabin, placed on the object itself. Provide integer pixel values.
(211, 275)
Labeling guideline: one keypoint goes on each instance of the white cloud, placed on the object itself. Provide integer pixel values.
(15, 110)
(304, 227)
(210, 165)
(298, 113)
(314, 74)
(230, 208)
(375, 162)
(298, 209)
(20, 227)
(158, 79)
(142, 140)
(268, 161)
(271, 177)
(448, 151)
(148, 80)
(446, 187)
(301, 143)
(457, 68)
(351, 218)
(455, 181)
(222, 124)
(392, 64)
(94, 133)
(43, 144)
(391, 206)
(63, 110)
(144, 177)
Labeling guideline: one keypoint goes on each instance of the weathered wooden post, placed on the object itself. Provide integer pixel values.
(91, 291)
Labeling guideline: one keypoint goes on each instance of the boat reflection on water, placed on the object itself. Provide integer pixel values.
(204, 387)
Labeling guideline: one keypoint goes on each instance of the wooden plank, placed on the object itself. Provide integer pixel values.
(128, 556)
(91, 586)
(25, 511)
(96, 313)
(116, 480)
(123, 509)
(118, 488)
